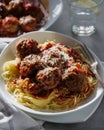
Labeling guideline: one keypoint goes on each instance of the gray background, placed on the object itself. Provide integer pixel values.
(96, 44)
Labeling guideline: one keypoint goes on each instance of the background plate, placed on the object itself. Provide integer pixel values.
(55, 8)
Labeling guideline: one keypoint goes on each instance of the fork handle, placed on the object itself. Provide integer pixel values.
(98, 77)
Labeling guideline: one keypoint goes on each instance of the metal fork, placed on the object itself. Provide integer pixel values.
(93, 62)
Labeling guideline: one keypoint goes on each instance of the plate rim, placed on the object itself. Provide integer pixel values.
(51, 113)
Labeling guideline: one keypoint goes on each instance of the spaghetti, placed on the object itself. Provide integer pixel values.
(48, 76)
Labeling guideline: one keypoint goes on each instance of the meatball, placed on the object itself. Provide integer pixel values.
(28, 23)
(0, 19)
(51, 57)
(76, 55)
(63, 91)
(29, 66)
(25, 47)
(1, 29)
(16, 8)
(3, 10)
(33, 88)
(51, 60)
(33, 10)
(10, 24)
(74, 79)
(5, 1)
(54, 57)
(49, 77)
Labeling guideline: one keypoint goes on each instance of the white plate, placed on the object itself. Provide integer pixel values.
(80, 113)
(55, 9)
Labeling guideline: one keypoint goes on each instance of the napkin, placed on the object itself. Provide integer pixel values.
(11, 118)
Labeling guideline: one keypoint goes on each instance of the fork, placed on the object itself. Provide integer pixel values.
(93, 62)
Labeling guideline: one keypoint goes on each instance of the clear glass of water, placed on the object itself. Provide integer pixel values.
(83, 16)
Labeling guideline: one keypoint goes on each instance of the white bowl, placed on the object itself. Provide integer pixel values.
(78, 114)
(55, 9)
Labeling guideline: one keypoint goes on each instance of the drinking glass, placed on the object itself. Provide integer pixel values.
(83, 16)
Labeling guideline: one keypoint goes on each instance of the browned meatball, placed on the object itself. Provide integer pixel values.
(5, 1)
(16, 8)
(3, 10)
(51, 60)
(33, 10)
(28, 23)
(0, 25)
(74, 80)
(33, 88)
(29, 66)
(27, 46)
(49, 78)
(51, 57)
(63, 91)
(76, 55)
(10, 24)
(55, 57)
(0, 19)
